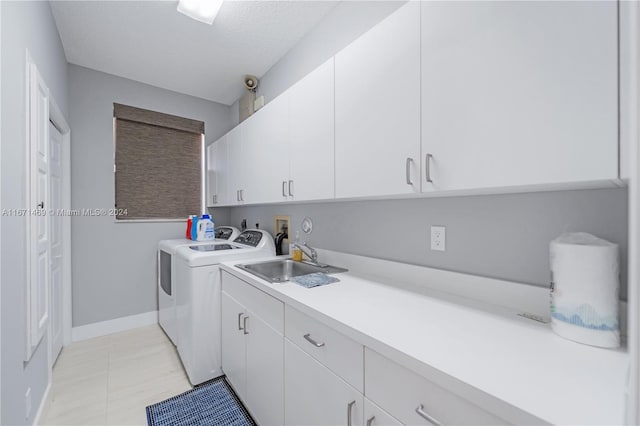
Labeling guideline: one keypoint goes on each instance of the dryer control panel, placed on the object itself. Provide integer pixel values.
(249, 238)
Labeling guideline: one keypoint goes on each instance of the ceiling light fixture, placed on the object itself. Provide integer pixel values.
(200, 10)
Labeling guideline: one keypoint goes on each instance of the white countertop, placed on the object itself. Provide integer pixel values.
(485, 353)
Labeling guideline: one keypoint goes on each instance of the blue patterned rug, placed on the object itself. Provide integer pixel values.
(210, 404)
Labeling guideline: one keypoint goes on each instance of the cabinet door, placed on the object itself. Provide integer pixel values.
(519, 93)
(237, 165)
(211, 178)
(266, 152)
(377, 112)
(265, 375)
(316, 396)
(233, 344)
(376, 416)
(311, 139)
(217, 173)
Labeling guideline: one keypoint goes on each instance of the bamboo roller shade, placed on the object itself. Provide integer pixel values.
(158, 164)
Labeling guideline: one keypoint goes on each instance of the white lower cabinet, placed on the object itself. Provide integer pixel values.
(316, 396)
(376, 416)
(252, 350)
(289, 368)
(234, 360)
(415, 400)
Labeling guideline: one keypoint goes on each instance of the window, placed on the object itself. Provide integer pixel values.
(158, 165)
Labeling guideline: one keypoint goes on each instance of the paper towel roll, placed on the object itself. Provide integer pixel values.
(584, 293)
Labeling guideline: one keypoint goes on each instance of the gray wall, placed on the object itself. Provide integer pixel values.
(346, 22)
(25, 25)
(114, 264)
(500, 236)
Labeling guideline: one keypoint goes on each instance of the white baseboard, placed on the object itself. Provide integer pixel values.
(103, 328)
(43, 404)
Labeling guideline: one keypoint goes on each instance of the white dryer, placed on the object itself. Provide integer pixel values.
(166, 266)
(198, 288)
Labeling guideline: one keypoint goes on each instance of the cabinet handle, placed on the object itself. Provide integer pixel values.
(308, 338)
(427, 168)
(426, 416)
(370, 420)
(291, 188)
(215, 198)
(408, 167)
(349, 410)
(239, 326)
(284, 188)
(242, 195)
(244, 323)
(238, 195)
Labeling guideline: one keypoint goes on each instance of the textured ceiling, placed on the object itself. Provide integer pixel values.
(150, 42)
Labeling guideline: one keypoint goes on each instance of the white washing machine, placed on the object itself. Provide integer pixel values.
(166, 292)
(198, 288)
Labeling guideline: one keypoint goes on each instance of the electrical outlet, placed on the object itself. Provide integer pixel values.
(438, 238)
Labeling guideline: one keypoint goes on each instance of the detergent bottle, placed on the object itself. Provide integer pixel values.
(189, 225)
(194, 228)
(206, 230)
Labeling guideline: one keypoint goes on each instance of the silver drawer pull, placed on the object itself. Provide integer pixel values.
(427, 416)
(427, 168)
(284, 188)
(291, 188)
(408, 170)
(370, 420)
(308, 338)
(244, 322)
(239, 326)
(349, 410)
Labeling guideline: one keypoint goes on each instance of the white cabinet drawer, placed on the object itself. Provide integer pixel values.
(334, 350)
(402, 392)
(260, 303)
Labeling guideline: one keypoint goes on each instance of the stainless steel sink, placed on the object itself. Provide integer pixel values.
(276, 271)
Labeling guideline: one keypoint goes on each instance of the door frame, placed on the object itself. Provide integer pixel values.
(57, 117)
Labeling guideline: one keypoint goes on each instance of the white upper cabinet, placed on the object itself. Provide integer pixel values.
(311, 136)
(266, 156)
(237, 165)
(217, 173)
(518, 93)
(377, 109)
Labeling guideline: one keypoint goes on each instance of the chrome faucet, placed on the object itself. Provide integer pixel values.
(311, 254)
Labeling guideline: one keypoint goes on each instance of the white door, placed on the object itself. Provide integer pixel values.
(519, 93)
(311, 138)
(316, 396)
(38, 286)
(265, 372)
(233, 344)
(377, 113)
(55, 222)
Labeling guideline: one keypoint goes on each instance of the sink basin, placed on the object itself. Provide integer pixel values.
(277, 271)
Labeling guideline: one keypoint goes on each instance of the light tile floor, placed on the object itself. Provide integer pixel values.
(110, 380)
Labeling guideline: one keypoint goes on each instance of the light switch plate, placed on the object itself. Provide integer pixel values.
(438, 238)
